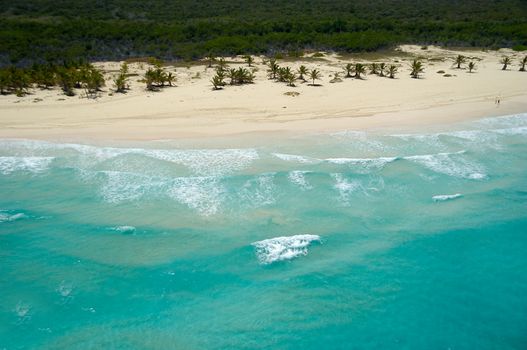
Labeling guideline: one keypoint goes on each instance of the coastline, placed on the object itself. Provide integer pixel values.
(191, 110)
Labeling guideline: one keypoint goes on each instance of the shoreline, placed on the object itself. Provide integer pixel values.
(192, 111)
(430, 119)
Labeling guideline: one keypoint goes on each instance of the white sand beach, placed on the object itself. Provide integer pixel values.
(192, 109)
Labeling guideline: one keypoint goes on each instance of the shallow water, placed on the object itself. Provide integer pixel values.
(338, 241)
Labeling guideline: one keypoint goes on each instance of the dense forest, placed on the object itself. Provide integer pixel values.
(57, 30)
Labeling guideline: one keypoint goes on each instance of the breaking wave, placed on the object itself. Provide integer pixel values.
(7, 216)
(296, 158)
(446, 197)
(452, 164)
(198, 161)
(276, 249)
(123, 229)
(10, 165)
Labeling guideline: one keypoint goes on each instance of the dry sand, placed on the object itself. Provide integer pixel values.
(192, 109)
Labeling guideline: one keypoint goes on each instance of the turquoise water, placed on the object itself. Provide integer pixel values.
(350, 240)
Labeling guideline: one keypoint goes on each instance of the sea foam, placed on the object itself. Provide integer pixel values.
(123, 229)
(446, 197)
(259, 191)
(9, 165)
(276, 249)
(203, 194)
(363, 163)
(296, 158)
(451, 164)
(345, 187)
(203, 162)
(8, 217)
(298, 177)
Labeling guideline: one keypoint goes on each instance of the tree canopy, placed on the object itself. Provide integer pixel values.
(51, 31)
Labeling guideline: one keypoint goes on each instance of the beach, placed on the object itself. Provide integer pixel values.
(383, 239)
(374, 214)
(191, 109)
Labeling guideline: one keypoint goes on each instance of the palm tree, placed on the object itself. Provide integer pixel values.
(392, 70)
(336, 78)
(17, 81)
(243, 76)
(66, 80)
(349, 70)
(150, 79)
(523, 62)
(121, 80)
(314, 75)
(170, 78)
(505, 61)
(374, 68)
(43, 75)
(291, 78)
(120, 84)
(417, 67)
(284, 73)
(249, 60)
(359, 69)
(273, 68)
(220, 73)
(93, 80)
(232, 74)
(460, 59)
(302, 70)
(382, 69)
(248, 77)
(217, 83)
(471, 66)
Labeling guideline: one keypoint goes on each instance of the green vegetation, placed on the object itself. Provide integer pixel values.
(238, 76)
(156, 77)
(273, 68)
(290, 79)
(417, 68)
(51, 31)
(68, 77)
(392, 70)
(460, 59)
(382, 69)
(121, 80)
(471, 66)
(506, 61)
(315, 75)
(217, 82)
(302, 70)
(349, 70)
(249, 60)
(359, 69)
(284, 74)
(523, 62)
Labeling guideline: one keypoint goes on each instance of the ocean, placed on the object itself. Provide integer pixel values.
(346, 240)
